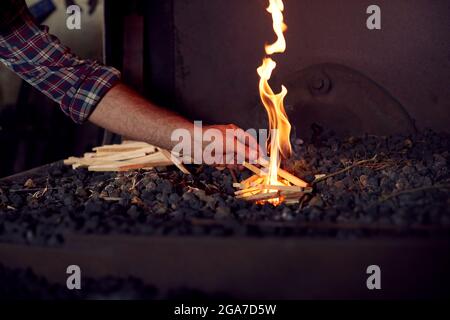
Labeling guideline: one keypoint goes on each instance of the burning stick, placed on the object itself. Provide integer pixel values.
(273, 184)
(262, 197)
(286, 189)
(249, 190)
(261, 193)
(255, 169)
(246, 183)
(282, 173)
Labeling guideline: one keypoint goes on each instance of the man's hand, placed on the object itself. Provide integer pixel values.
(125, 112)
(238, 146)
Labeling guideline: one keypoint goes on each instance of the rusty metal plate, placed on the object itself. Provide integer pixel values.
(251, 268)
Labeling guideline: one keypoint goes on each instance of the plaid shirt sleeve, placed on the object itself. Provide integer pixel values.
(39, 58)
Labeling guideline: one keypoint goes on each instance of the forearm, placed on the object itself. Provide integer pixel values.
(125, 112)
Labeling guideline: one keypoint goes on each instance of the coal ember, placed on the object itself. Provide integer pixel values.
(400, 182)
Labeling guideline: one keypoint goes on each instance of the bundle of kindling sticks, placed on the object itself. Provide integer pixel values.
(127, 156)
(254, 189)
(134, 155)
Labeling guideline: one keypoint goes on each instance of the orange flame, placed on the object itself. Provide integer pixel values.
(280, 128)
(276, 8)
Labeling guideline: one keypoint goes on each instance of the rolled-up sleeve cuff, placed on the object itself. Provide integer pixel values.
(80, 101)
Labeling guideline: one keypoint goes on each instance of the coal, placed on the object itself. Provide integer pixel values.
(406, 187)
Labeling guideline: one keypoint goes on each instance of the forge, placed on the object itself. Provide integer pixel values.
(356, 173)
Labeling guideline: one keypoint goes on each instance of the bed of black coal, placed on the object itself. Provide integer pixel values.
(378, 200)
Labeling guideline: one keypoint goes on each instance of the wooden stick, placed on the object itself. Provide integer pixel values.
(83, 163)
(288, 197)
(129, 154)
(248, 181)
(356, 164)
(152, 160)
(286, 175)
(291, 201)
(254, 169)
(262, 197)
(70, 161)
(123, 147)
(154, 157)
(109, 151)
(175, 161)
(163, 163)
(246, 196)
(257, 182)
(90, 155)
(244, 191)
(283, 188)
(128, 167)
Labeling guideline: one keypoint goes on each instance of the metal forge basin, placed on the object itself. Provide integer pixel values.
(320, 249)
(250, 268)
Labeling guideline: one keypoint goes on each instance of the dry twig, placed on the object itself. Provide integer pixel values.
(355, 165)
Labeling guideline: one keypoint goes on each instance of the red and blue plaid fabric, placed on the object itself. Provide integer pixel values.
(39, 58)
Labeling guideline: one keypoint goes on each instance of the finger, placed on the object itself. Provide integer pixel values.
(255, 149)
(245, 153)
